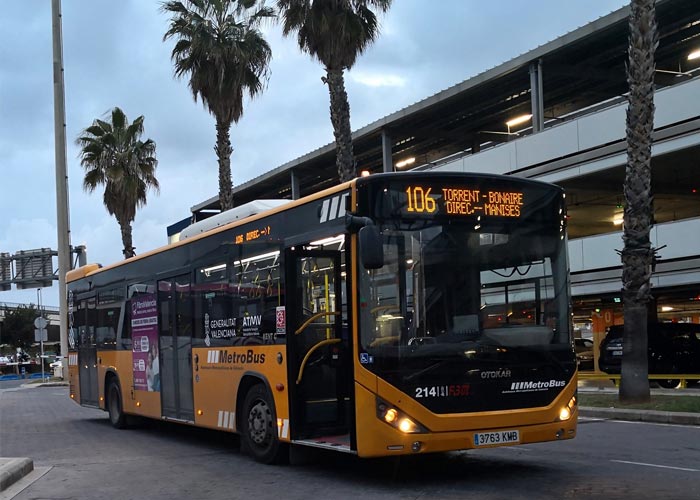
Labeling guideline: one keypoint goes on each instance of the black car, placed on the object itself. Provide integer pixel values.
(584, 353)
(673, 348)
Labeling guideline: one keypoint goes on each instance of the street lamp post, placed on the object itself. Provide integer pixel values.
(62, 218)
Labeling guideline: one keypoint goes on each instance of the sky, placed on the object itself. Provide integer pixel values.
(114, 55)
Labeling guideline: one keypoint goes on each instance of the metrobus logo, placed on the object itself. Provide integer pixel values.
(333, 208)
(236, 358)
(536, 386)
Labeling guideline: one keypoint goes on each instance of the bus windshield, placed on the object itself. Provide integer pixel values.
(467, 297)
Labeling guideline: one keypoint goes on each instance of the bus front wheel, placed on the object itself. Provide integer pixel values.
(114, 400)
(259, 432)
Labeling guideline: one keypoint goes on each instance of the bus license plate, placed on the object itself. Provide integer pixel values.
(496, 438)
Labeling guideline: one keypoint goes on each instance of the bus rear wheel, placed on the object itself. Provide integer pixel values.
(114, 406)
(259, 427)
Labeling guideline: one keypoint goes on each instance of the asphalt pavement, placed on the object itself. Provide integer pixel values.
(12, 469)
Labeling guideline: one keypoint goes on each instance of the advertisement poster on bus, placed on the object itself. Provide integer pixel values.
(144, 336)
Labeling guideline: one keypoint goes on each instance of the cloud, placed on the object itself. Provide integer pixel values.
(378, 80)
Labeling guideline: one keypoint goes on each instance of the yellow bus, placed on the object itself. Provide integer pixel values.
(400, 313)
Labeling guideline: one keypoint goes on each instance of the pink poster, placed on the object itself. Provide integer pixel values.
(144, 337)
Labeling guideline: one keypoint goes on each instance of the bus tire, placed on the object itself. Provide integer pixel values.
(114, 406)
(259, 427)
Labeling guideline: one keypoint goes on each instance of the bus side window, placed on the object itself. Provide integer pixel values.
(91, 324)
(256, 285)
(79, 323)
(110, 306)
(212, 313)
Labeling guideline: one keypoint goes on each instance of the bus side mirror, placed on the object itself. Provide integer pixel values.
(371, 247)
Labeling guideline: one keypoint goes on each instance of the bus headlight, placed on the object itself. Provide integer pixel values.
(566, 412)
(397, 419)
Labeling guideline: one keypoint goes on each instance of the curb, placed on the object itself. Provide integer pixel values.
(653, 416)
(44, 384)
(14, 469)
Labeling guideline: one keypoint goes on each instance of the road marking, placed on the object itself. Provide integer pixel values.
(653, 423)
(656, 465)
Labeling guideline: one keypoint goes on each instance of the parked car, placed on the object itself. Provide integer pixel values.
(584, 353)
(672, 348)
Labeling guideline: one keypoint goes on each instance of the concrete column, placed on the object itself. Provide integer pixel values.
(536, 96)
(294, 180)
(387, 161)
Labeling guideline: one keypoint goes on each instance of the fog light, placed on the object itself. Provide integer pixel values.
(416, 446)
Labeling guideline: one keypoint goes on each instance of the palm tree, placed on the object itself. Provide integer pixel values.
(638, 255)
(225, 55)
(335, 32)
(114, 155)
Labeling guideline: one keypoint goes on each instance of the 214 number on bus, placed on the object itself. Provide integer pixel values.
(442, 391)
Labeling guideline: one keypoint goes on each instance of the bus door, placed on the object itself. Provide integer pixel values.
(175, 352)
(84, 322)
(317, 345)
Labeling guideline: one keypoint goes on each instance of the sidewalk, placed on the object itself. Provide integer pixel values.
(652, 416)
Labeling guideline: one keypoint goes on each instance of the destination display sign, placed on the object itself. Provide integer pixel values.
(455, 200)
(253, 234)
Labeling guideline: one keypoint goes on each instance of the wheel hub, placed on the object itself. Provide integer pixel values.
(259, 422)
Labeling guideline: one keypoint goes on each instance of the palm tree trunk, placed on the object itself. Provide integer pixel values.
(126, 239)
(223, 153)
(340, 118)
(638, 254)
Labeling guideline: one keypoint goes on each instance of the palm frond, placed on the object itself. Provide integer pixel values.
(114, 156)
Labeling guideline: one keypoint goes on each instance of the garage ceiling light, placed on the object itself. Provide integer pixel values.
(518, 120)
(406, 162)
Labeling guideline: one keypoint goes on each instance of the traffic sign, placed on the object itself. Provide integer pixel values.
(41, 323)
(40, 335)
